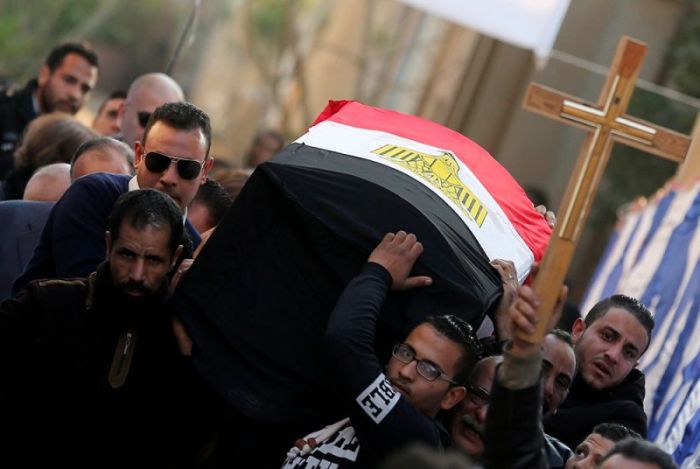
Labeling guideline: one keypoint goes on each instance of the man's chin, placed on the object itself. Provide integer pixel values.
(469, 441)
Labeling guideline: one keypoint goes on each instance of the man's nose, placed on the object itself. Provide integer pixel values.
(548, 388)
(169, 176)
(614, 352)
(408, 371)
(137, 270)
(481, 413)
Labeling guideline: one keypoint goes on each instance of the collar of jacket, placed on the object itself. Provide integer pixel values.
(631, 388)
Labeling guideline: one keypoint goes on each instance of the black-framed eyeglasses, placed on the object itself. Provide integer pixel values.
(428, 370)
(143, 117)
(478, 395)
(186, 169)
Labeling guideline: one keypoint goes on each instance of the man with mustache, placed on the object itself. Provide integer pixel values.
(172, 158)
(396, 405)
(92, 375)
(68, 74)
(608, 388)
(513, 435)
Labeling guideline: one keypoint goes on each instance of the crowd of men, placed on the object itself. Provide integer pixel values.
(100, 225)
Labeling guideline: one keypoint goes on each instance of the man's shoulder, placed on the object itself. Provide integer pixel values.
(96, 187)
(631, 389)
(107, 180)
(59, 291)
(16, 105)
(557, 452)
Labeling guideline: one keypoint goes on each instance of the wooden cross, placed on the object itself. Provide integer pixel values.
(607, 123)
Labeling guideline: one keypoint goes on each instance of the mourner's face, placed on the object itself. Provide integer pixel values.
(65, 88)
(140, 259)
(190, 146)
(558, 369)
(609, 348)
(428, 396)
(467, 428)
(109, 120)
(590, 452)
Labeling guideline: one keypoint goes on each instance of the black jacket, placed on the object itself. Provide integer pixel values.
(585, 407)
(381, 420)
(62, 343)
(513, 436)
(16, 111)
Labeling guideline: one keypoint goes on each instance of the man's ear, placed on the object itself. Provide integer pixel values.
(108, 242)
(577, 330)
(205, 170)
(453, 397)
(44, 75)
(176, 256)
(138, 154)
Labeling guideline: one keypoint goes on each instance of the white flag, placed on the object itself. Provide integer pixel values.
(531, 24)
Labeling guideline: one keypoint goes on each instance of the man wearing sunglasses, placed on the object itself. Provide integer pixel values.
(145, 94)
(173, 159)
(396, 405)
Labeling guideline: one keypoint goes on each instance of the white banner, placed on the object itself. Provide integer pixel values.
(531, 24)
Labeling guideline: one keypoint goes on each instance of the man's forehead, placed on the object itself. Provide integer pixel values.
(189, 144)
(429, 344)
(559, 353)
(598, 442)
(624, 323)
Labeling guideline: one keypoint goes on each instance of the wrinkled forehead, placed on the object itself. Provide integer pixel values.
(560, 354)
(598, 444)
(624, 323)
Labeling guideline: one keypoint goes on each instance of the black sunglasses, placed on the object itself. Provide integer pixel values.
(143, 118)
(186, 169)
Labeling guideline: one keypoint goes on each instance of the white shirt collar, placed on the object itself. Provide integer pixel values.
(134, 186)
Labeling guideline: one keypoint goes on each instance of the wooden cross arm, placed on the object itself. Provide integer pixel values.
(640, 134)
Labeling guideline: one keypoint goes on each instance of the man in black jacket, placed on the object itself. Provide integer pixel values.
(513, 434)
(390, 406)
(91, 374)
(609, 387)
(66, 77)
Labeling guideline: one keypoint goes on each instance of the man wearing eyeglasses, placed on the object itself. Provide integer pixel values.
(145, 94)
(173, 158)
(390, 406)
(554, 365)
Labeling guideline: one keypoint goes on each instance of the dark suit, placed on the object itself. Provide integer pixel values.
(21, 222)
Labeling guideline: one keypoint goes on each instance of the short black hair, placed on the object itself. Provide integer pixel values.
(629, 304)
(100, 143)
(460, 332)
(181, 116)
(58, 53)
(217, 200)
(642, 451)
(117, 94)
(144, 207)
(563, 336)
(615, 432)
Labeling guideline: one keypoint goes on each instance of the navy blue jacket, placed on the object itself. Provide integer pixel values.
(21, 222)
(73, 241)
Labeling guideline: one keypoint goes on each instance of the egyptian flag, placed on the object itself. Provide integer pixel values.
(257, 300)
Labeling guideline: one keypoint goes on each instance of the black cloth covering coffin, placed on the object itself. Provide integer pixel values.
(257, 299)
